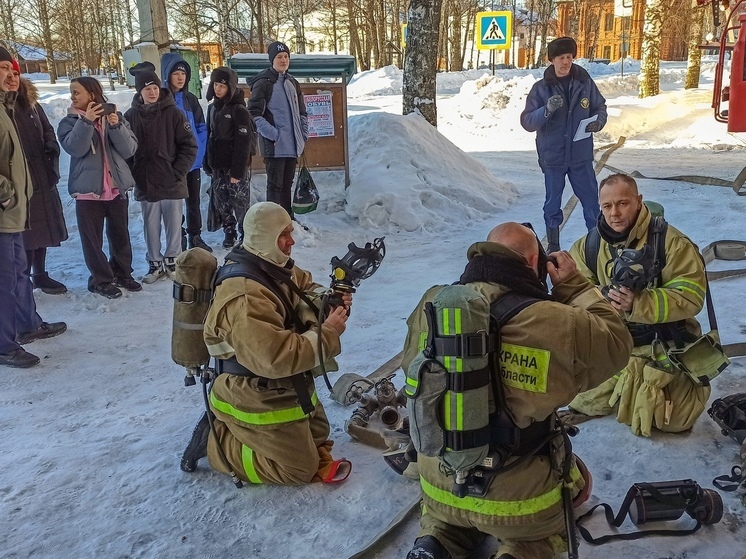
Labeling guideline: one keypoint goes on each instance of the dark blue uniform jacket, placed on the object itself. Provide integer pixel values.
(554, 134)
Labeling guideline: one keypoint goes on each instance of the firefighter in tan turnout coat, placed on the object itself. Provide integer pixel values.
(648, 392)
(569, 341)
(263, 430)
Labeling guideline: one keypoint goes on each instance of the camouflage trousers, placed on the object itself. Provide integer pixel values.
(231, 200)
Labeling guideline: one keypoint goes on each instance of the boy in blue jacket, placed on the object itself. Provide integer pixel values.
(555, 107)
(176, 72)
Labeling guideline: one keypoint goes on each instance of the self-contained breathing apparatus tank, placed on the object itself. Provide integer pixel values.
(192, 292)
(448, 383)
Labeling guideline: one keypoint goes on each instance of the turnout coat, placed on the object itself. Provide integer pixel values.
(675, 400)
(271, 439)
(585, 342)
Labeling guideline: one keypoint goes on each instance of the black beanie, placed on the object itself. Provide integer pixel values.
(145, 75)
(5, 55)
(563, 45)
(277, 47)
(179, 66)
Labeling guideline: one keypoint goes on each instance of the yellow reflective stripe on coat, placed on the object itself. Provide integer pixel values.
(661, 305)
(498, 508)
(687, 285)
(247, 457)
(262, 418)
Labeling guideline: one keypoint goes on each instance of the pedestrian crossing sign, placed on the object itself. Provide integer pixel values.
(494, 30)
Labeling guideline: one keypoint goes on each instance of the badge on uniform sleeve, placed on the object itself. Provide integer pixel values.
(584, 102)
(187, 126)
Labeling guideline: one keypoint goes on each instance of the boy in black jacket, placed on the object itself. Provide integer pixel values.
(230, 134)
(166, 150)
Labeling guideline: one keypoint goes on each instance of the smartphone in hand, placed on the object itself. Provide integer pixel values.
(108, 108)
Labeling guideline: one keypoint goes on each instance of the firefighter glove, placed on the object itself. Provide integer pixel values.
(650, 401)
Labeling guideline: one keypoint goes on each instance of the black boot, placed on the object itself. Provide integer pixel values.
(47, 285)
(195, 241)
(428, 547)
(230, 236)
(197, 447)
(553, 244)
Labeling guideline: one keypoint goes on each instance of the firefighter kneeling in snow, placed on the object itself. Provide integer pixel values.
(269, 425)
(655, 277)
(559, 344)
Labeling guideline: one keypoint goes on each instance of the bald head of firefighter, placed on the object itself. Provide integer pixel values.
(551, 346)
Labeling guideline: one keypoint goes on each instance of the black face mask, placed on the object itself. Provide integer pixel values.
(543, 258)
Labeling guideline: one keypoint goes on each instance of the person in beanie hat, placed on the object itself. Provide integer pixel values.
(46, 217)
(19, 322)
(165, 153)
(99, 180)
(555, 107)
(176, 74)
(277, 106)
(230, 135)
(145, 75)
(248, 328)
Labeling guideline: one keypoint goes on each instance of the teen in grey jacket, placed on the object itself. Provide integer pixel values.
(79, 139)
(99, 180)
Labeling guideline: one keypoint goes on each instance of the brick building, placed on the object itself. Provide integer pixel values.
(602, 36)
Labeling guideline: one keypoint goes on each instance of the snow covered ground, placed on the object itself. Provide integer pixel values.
(90, 440)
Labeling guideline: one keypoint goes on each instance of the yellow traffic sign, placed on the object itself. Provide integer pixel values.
(494, 30)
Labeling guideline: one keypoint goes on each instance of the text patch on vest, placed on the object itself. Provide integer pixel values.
(524, 368)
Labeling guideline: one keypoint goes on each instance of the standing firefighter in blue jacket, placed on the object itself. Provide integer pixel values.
(555, 107)
(176, 74)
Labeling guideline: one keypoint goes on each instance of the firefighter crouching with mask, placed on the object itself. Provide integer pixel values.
(648, 392)
(579, 341)
(270, 425)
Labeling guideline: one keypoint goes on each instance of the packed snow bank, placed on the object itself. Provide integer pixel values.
(406, 175)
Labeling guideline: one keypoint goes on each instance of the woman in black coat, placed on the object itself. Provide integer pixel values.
(46, 218)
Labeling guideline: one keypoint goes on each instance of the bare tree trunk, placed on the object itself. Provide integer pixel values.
(575, 19)
(334, 25)
(383, 51)
(456, 62)
(356, 49)
(300, 39)
(651, 49)
(696, 22)
(421, 59)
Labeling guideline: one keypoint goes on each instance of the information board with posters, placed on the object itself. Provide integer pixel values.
(320, 114)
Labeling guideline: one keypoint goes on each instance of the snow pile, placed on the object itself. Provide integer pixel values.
(406, 175)
(384, 81)
(494, 95)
